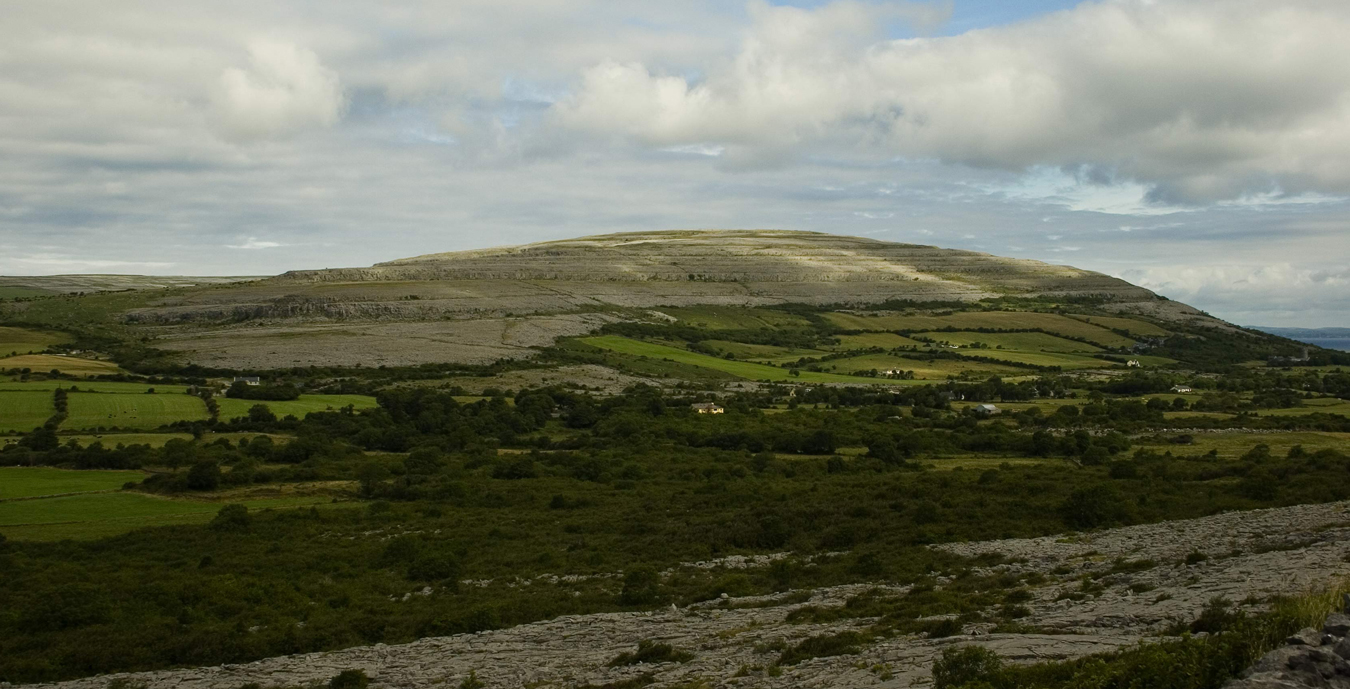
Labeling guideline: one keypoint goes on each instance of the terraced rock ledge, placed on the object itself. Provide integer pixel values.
(1243, 557)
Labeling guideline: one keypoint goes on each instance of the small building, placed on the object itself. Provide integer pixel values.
(247, 380)
(1181, 388)
(1134, 363)
(986, 409)
(706, 408)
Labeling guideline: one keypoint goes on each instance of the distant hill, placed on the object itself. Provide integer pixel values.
(484, 305)
(1330, 338)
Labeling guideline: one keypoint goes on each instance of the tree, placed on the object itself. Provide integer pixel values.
(370, 474)
(640, 587)
(204, 475)
(260, 413)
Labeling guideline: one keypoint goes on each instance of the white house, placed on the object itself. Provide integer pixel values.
(706, 408)
(986, 409)
(247, 380)
(1181, 388)
(1133, 363)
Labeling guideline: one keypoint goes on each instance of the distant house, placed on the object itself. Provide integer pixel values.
(986, 409)
(247, 380)
(1134, 363)
(706, 408)
(1181, 388)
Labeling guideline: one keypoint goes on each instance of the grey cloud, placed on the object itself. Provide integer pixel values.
(1199, 99)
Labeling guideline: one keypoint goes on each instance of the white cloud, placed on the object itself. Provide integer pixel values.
(285, 89)
(1196, 100)
(254, 243)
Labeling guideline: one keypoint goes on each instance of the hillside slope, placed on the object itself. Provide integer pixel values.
(482, 305)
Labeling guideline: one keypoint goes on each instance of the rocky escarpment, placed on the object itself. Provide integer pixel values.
(745, 256)
(1145, 580)
(1311, 658)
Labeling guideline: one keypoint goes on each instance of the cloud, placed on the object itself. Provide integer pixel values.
(1197, 100)
(1255, 294)
(254, 243)
(285, 89)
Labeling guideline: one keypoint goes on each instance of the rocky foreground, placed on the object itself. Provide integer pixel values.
(1178, 567)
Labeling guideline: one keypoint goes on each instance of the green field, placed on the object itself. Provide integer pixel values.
(870, 340)
(28, 482)
(1324, 405)
(1134, 327)
(1022, 342)
(24, 411)
(734, 318)
(15, 341)
(938, 369)
(762, 353)
(975, 320)
(99, 515)
(159, 439)
(69, 365)
(232, 408)
(124, 410)
(1064, 361)
(740, 369)
(93, 385)
(1233, 445)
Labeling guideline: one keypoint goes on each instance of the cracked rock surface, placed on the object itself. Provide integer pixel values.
(1145, 579)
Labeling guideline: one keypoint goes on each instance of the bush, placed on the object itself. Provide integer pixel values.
(640, 587)
(651, 652)
(231, 518)
(964, 665)
(349, 679)
(844, 643)
(204, 475)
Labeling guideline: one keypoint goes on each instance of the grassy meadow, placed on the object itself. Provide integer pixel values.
(125, 410)
(30, 482)
(68, 365)
(16, 341)
(231, 408)
(974, 320)
(740, 369)
(23, 411)
(89, 386)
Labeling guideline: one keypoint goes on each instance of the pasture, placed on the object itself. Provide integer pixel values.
(734, 318)
(989, 320)
(69, 365)
(1134, 327)
(92, 386)
(1022, 342)
(1232, 444)
(99, 515)
(938, 369)
(232, 408)
(122, 410)
(29, 482)
(740, 369)
(762, 353)
(870, 340)
(16, 341)
(21, 412)
(1064, 361)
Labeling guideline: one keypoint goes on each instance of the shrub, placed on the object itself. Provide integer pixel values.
(231, 518)
(349, 679)
(964, 665)
(843, 643)
(204, 475)
(641, 586)
(652, 652)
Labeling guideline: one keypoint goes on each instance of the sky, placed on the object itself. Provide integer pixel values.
(1200, 148)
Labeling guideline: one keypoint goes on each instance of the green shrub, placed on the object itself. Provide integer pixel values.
(960, 666)
(651, 652)
(349, 679)
(843, 643)
(231, 518)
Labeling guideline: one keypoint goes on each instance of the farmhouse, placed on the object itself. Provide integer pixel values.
(706, 408)
(1133, 363)
(1181, 388)
(986, 409)
(247, 380)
